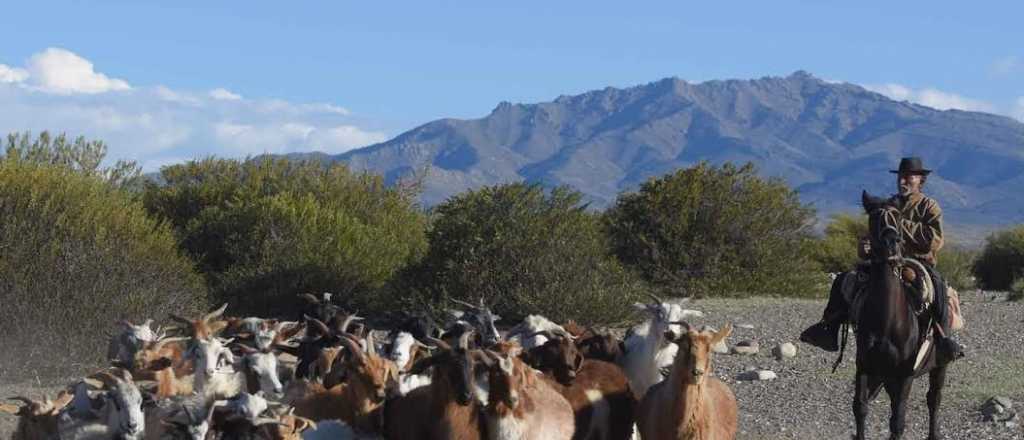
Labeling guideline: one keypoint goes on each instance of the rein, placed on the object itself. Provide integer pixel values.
(889, 222)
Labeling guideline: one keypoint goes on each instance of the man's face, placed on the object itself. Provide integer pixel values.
(908, 184)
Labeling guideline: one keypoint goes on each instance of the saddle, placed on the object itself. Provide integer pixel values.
(916, 280)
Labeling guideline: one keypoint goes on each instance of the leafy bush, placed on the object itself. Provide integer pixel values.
(523, 251)
(1002, 259)
(837, 250)
(1017, 290)
(956, 265)
(263, 231)
(717, 231)
(80, 155)
(77, 254)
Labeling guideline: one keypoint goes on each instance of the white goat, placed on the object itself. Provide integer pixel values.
(130, 340)
(647, 351)
(114, 412)
(215, 376)
(403, 352)
(529, 332)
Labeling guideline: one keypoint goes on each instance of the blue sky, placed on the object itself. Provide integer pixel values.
(163, 83)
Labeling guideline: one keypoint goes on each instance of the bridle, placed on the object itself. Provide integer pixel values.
(889, 223)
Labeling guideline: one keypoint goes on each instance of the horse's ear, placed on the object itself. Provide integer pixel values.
(865, 199)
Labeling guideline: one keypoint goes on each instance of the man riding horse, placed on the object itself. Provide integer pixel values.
(922, 234)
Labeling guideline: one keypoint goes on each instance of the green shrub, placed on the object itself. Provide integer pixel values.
(1017, 290)
(837, 250)
(77, 254)
(956, 265)
(263, 231)
(523, 251)
(717, 231)
(1002, 259)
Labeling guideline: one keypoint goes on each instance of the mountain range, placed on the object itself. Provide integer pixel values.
(827, 140)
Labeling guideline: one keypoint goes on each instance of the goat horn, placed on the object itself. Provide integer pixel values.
(318, 324)
(547, 334)
(464, 340)
(348, 321)
(160, 344)
(656, 298)
(482, 357)
(458, 301)
(215, 313)
(310, 298)
(440, 343)
(371, 347)
(352, 345)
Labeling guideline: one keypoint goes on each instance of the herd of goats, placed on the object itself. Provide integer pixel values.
(331, 376)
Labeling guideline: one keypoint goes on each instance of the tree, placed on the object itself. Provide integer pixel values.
(716, 231)
(837, 250)
(263, 231)
(80, 155)
(522, 250)
(1001, 262)
(76, 255)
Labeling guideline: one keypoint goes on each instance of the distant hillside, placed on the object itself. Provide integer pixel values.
(828, 140)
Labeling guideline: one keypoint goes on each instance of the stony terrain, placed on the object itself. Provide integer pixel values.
(805, 401)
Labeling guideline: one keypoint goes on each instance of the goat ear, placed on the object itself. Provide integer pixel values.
(722, 334)
(640, 307)
(10, 409)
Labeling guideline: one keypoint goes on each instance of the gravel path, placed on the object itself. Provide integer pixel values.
(806, 402)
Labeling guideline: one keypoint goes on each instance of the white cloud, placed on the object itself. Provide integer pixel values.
(173, 96)
(278, 138)
(62, 72)
(1018, 109)
(930, 97)
(159, 125)
(12, 74)
(224, 95)
(1006, 65)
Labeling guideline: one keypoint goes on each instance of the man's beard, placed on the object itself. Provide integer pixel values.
(906, 190)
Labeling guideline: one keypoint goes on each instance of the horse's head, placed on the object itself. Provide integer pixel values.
(884, 227)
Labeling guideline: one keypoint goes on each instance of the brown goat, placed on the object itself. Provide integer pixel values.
(520, 405)
(598, 391)
(36, 420)
(288, 427)
(447, 409)
(691, 403)
(152, 354)
(205, 327)
(357, 401)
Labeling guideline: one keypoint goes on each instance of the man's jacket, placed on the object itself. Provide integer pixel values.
(922, 227)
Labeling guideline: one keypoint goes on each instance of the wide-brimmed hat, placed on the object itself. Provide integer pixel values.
(911, 165)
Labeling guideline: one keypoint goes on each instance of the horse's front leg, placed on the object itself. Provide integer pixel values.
(936, 380)
(899, 394)
(865, 388)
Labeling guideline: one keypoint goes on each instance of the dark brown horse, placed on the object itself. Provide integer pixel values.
(889, 332)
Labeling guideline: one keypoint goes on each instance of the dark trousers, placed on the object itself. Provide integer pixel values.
(838, 310)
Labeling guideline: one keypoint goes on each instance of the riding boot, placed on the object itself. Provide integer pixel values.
(825, 333)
